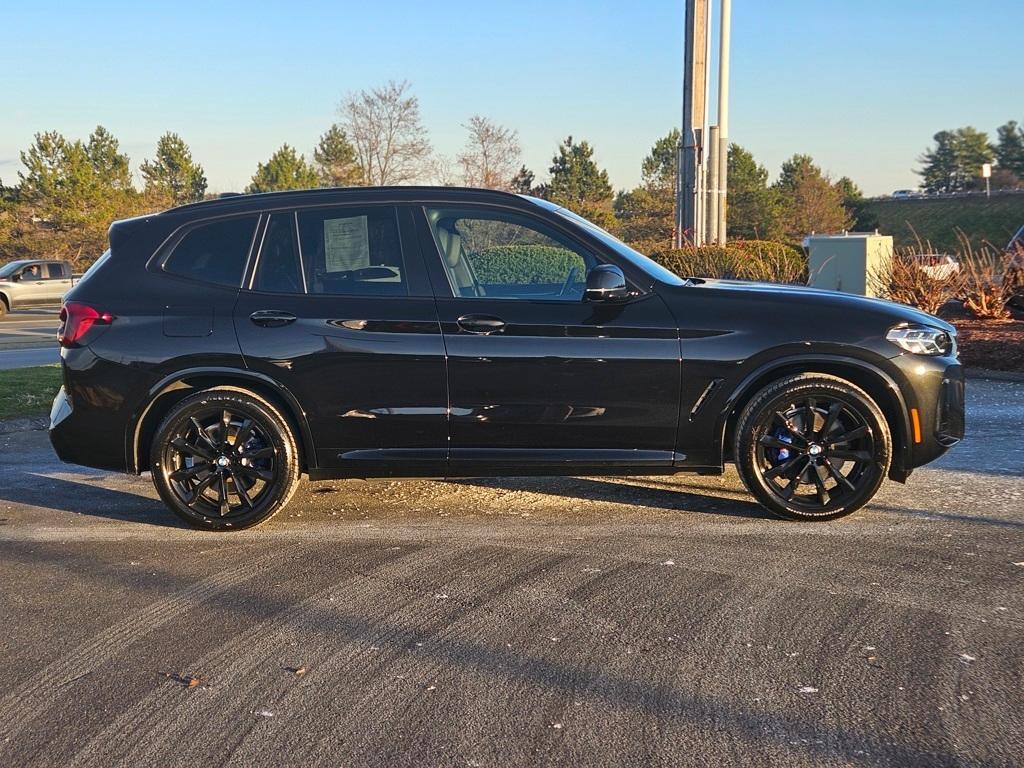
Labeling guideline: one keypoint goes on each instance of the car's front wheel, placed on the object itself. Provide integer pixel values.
(224, 459)
(812, 447)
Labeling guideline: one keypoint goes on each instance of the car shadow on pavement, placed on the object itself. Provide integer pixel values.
(92, 500)
(668, 496)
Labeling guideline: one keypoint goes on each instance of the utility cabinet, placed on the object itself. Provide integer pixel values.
(853, 262)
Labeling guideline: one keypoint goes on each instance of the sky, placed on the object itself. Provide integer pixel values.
(861, 85)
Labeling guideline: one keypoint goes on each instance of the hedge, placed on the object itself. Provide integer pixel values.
(760, 260)
(525, 265)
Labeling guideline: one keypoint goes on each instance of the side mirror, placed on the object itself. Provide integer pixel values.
(16, 277)
(606, 282)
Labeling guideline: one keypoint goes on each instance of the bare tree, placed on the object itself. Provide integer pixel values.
(443, 171)
(491, 156)
(384, 126)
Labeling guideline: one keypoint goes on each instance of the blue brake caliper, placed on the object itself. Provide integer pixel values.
(781, 454)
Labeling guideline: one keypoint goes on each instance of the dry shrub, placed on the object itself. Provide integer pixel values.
(906, 281)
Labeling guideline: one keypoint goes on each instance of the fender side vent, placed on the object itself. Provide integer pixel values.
(708, 390)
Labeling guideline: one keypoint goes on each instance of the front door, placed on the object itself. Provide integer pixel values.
(538, 377)
(341, 315)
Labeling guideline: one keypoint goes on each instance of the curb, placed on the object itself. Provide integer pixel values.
(985, 373)
(31, 424)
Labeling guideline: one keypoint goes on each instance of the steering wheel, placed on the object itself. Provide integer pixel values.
(569, 280)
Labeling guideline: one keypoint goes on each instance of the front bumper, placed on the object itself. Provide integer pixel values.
(933, 390)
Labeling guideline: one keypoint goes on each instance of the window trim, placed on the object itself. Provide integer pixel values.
(166, 250)
(249, 281)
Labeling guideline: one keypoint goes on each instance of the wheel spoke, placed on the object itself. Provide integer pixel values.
(782, 468)
(240, 489)
(244, 433)
(205, 483)
(258, 474)
(809, 414)
(823, 496)
(838, 476)
(186, 448)
(795, 481)
(187, 473)
(203, 434)
(860, 457)
(850, 436)
(771, 441)
(260, 453)
(830, 419)
(222, 494)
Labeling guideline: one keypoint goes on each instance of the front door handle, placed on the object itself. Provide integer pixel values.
(272, 318)
(481, 324)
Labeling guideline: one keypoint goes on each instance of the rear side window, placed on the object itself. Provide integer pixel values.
(278, 267)
(353, 252)
(56, 271)
(214, 252)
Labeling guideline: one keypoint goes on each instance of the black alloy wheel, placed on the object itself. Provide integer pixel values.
(224, 459)
(812, 447)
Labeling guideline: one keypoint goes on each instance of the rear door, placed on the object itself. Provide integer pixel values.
(57, 282)
(337, 308)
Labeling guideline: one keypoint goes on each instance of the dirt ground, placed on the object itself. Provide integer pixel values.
(997, 345)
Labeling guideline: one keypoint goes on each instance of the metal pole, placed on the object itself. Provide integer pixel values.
(713, 171)
(723, 120)
(689, 189)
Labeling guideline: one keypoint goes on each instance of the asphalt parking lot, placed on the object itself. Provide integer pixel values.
(574, 621)
(28, 337)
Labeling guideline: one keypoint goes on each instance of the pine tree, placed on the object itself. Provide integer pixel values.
(173, 172)
(578, 184)
(754, 208)
(335, 160)
(810, 201)
(286, 169)
(1009, 149)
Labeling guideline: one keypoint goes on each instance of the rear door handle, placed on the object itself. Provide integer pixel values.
(272, 318)
(481, 324)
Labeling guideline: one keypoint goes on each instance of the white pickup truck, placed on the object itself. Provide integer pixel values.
(29, 283)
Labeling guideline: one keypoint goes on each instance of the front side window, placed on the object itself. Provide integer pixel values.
(277, 269)
(352, 252)
(505, 255)
(214, 252)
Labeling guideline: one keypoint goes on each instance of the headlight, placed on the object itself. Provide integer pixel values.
(920, 340)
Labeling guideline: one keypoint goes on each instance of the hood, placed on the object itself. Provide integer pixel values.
(794, 296)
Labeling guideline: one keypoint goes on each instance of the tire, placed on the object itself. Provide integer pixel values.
(3, 307)
(224, 459)
(841, 462)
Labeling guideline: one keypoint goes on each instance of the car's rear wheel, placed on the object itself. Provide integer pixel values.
(3, 307)
(224, 459)
(812, 447)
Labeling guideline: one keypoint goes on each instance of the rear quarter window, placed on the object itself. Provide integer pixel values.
(214, 252)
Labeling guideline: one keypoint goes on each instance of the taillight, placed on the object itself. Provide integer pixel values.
(76, 319)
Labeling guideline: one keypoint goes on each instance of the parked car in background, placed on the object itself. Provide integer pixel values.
(906, 193)
(29, 283)
(938, 266)
(232, 345)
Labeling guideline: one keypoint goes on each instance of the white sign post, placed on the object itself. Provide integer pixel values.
(986, 173)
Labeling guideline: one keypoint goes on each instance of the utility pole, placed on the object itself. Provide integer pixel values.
(725, 22)
(690, 191)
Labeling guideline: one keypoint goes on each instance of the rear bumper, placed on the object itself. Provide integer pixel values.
(83, 428)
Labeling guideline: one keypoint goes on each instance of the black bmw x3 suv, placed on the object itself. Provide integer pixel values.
(231, 346)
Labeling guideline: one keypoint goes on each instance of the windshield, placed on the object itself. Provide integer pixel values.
(651, 267)
(9, 269)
